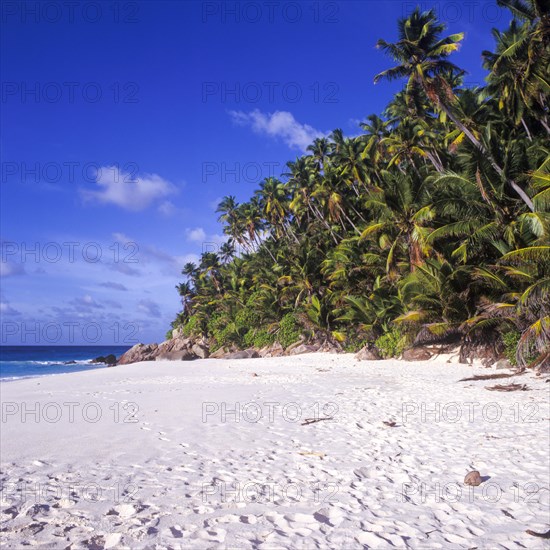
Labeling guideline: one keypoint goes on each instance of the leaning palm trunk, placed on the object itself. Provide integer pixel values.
(520, 192)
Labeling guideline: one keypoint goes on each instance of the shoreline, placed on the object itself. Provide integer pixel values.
(176, 454)
(450, 357)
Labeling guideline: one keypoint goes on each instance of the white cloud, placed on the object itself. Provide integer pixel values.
(8, 269)
(150, 308)
(85, 303)
(182, 260)
(128, 190)
(6, 309)
(210, 242)
(114, 286)
(196, 235)
(167, 208)
(281, 124)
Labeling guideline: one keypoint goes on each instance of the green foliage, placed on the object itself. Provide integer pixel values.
(193, 327)
(258, 338)
(510, 341)
(217, 322)
(353, 345)
(434, 221)
(226, 336)
(391, 343)
(247, 318)
(289, 330)
(168, 335)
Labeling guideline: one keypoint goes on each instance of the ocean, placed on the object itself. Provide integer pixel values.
(30, 361)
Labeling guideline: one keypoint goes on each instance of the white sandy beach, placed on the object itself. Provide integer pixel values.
(150, 455)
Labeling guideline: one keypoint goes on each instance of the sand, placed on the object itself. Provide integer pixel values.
(229, 454)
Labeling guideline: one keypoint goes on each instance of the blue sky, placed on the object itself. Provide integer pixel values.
(123, 123)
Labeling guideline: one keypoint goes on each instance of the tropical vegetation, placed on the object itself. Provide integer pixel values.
(432, 224)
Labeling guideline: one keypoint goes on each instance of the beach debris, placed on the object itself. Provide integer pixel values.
(254, 374)
(473, 478)
(308, 421)
(541, 535)
(486, 377)
(390, 423)
(312, 453)
(506, 513)
(508, 387)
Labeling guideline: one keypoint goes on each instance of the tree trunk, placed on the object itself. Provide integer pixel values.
(520, 192)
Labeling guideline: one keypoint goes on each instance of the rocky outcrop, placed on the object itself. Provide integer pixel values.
(244, 354)
(139, 352)
(330, 347)
(200, 350)
(368, 353)
(417, 354)
(502, 364)
(175, 344)
(303, 348)
(181, 355)
(108, 360)
(219, 353)
(274, 350)
(289, 349)
(178, 348)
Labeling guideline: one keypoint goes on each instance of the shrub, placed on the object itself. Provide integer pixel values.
(258, 338)
(226, 336)
(193, 326)
(217, 322)
(391, 344)
(247, 319)
(289, 330)
(248, 338)
(263, 338)
(353, 344)
(510, 340)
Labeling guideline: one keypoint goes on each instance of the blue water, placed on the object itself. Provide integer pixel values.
(29, 361)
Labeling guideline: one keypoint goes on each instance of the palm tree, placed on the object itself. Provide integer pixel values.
(519, 74)
(273, 201)
(413, 228)
(402, 217)
(227, 251)
(186, 293)
(421, 55)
